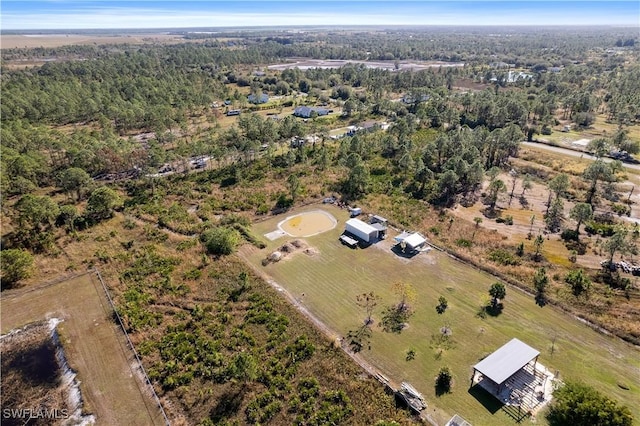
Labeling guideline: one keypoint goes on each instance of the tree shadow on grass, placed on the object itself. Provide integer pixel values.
(359, 338)
(494, 310)
(541, 300)
(228, 405)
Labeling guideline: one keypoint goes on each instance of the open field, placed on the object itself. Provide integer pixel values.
(327, 284)
(10, 41)
(94, 346)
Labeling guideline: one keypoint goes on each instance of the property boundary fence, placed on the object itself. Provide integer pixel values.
(133, 350)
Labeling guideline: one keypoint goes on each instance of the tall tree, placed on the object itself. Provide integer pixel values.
(497, 291)
(495, 189)
(367, 301)
(594, 173)
(36, 212)
(294, 186)
(581, 213)
(76, 180)
(540, 283)
(102, 203)
(617, 242)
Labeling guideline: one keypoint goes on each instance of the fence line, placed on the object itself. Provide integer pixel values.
(135, 353)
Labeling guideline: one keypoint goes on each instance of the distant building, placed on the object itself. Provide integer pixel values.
(234, 112)
(367, 126)
(499, 65)
(259, 73)
(409, 99)
(512, 77)
(262, 98)
(306, 112)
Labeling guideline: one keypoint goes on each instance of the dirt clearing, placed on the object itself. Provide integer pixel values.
(308, 224)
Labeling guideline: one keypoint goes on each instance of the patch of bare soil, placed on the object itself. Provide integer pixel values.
(38, 388)
(288, 249)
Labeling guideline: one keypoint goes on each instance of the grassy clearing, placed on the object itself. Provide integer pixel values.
(331, 280)
(95, 348)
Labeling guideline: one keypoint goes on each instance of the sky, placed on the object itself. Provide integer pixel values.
(110, 14)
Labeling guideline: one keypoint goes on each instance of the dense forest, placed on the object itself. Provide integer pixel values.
(132, 137)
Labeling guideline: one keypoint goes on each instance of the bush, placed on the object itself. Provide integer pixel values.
(604, 229)
(16, 266)
(503, 257)
(578, 281)
(507, 220)
(569, 235)
(221, 240)
(443, 381)
(463, 242)
(579, 404)
(621, 209)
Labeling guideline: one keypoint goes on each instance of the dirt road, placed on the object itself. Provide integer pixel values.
(574, 153)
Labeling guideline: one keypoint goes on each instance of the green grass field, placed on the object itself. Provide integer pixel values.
(331, 280)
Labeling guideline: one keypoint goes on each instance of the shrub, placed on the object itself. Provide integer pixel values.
(442, 305)
(507, 220)
(463, 242)
(578, 281)
(443, 381)
(579, 404)
(503, 257)
(221, 240)
(16, 266)
(569, 235)
(604, 229)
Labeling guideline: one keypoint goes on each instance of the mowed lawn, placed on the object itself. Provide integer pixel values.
(327, 284)
(94, 346)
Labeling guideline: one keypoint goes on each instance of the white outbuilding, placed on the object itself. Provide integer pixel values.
(411, 241)
(361, 230)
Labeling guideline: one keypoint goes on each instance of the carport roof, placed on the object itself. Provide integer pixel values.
(506, 361)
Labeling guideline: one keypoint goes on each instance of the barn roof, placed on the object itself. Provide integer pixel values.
(506, 361)
(361, 226)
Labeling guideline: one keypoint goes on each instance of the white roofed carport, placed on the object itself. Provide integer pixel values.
(506, 361)
(415, 240)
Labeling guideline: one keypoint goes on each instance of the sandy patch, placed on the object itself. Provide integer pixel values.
(308, 224)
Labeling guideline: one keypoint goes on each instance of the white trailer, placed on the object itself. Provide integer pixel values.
(361, 230)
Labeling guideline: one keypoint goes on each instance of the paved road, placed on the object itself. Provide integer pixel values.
(574, 153)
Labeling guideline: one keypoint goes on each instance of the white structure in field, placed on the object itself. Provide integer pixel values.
(411, 241)
(361, 230)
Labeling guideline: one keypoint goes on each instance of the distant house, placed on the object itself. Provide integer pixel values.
(306, 112)
(262, 98)
(409, 99)
(554, 69)
(259, 73)
(512, 77)
(499, 65)
(367, 126)
(234, 112)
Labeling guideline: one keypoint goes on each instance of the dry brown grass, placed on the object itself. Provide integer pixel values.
(10, 41)
(31, 376)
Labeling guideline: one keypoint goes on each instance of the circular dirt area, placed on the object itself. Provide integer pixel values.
(308, 223)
